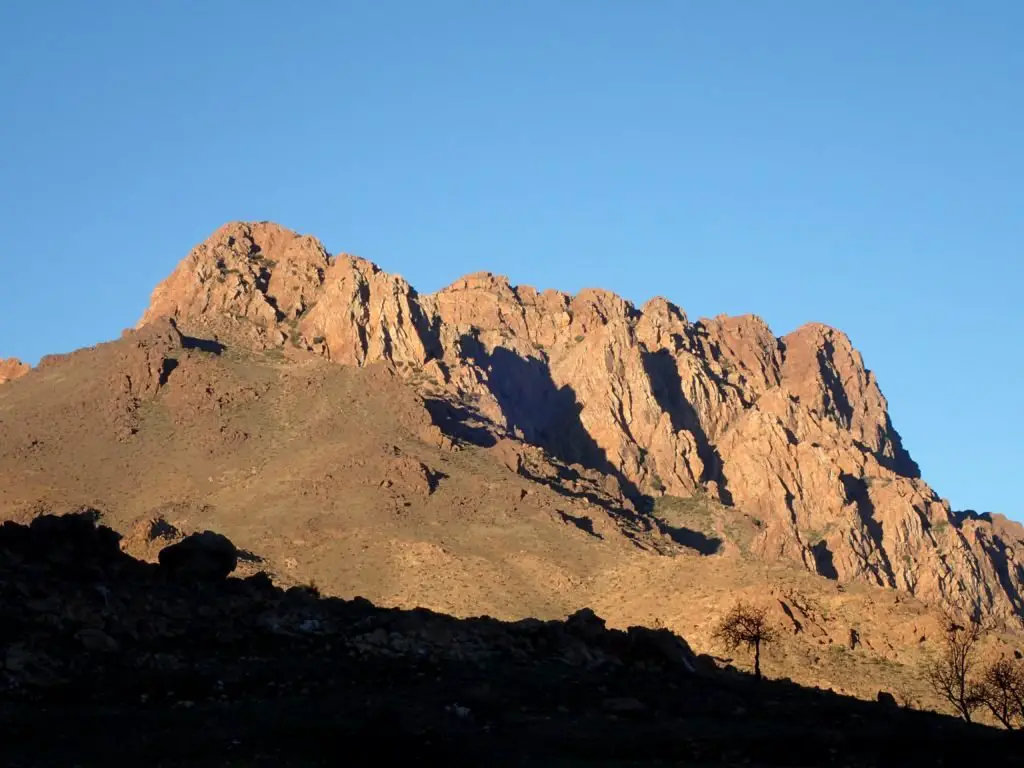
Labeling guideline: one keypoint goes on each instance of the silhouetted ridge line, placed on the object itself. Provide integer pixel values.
(94, 639)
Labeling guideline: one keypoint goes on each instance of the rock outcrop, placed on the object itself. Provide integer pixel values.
(793, 430)
(206, 556)
(11, 368)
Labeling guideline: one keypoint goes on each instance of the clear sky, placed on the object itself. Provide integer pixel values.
(859, 163)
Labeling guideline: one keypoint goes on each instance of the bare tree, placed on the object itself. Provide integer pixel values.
(1002, 691)
(951, 674)
(748, 626)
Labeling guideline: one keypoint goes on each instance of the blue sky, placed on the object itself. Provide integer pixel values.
(854, 163)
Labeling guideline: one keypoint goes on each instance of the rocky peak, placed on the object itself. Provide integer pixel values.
(826, 374)
(246, 280)
(11, 368)
(794, 430)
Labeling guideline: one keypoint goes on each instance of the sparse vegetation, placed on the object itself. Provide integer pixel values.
(958, 678)
(817, 535)
(951, 675)
(907, 698)
(746, 625)
(1002, 692)
(668, 507)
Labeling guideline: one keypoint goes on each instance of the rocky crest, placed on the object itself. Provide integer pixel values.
(792, 430)
(11, 368)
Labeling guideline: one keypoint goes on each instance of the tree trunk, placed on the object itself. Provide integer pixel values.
(1002, 717)
(965, 710)
(757, 659)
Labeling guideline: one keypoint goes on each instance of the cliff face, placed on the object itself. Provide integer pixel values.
(792, 430)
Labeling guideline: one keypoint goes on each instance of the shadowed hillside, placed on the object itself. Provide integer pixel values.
(113, 661)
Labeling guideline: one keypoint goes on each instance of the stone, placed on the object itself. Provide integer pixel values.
(205, 556)
(586, 624)
(663, 645)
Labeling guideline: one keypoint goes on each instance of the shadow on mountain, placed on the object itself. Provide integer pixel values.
(203, 345)
(902, 462)
(108, 660)
(565, 485)
(543, 413)
(835, 392)
(460, 422)
(245, 556)
(585, 524)
(1009, 572)
(687, 537)
(856, 489)
(667, 388)
(970, 514)
(823, 561)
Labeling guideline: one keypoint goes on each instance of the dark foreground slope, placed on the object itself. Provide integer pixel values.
(107, 660)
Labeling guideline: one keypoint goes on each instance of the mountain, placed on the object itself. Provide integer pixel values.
(492, 449)
(793, 430)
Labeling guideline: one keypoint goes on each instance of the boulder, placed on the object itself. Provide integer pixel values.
(205, 556)
(662, 645)
(586, 624)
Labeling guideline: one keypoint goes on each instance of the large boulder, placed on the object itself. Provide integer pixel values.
(205, 556)
(586, 625)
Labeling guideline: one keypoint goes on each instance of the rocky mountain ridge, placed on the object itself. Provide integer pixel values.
(793, 431)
